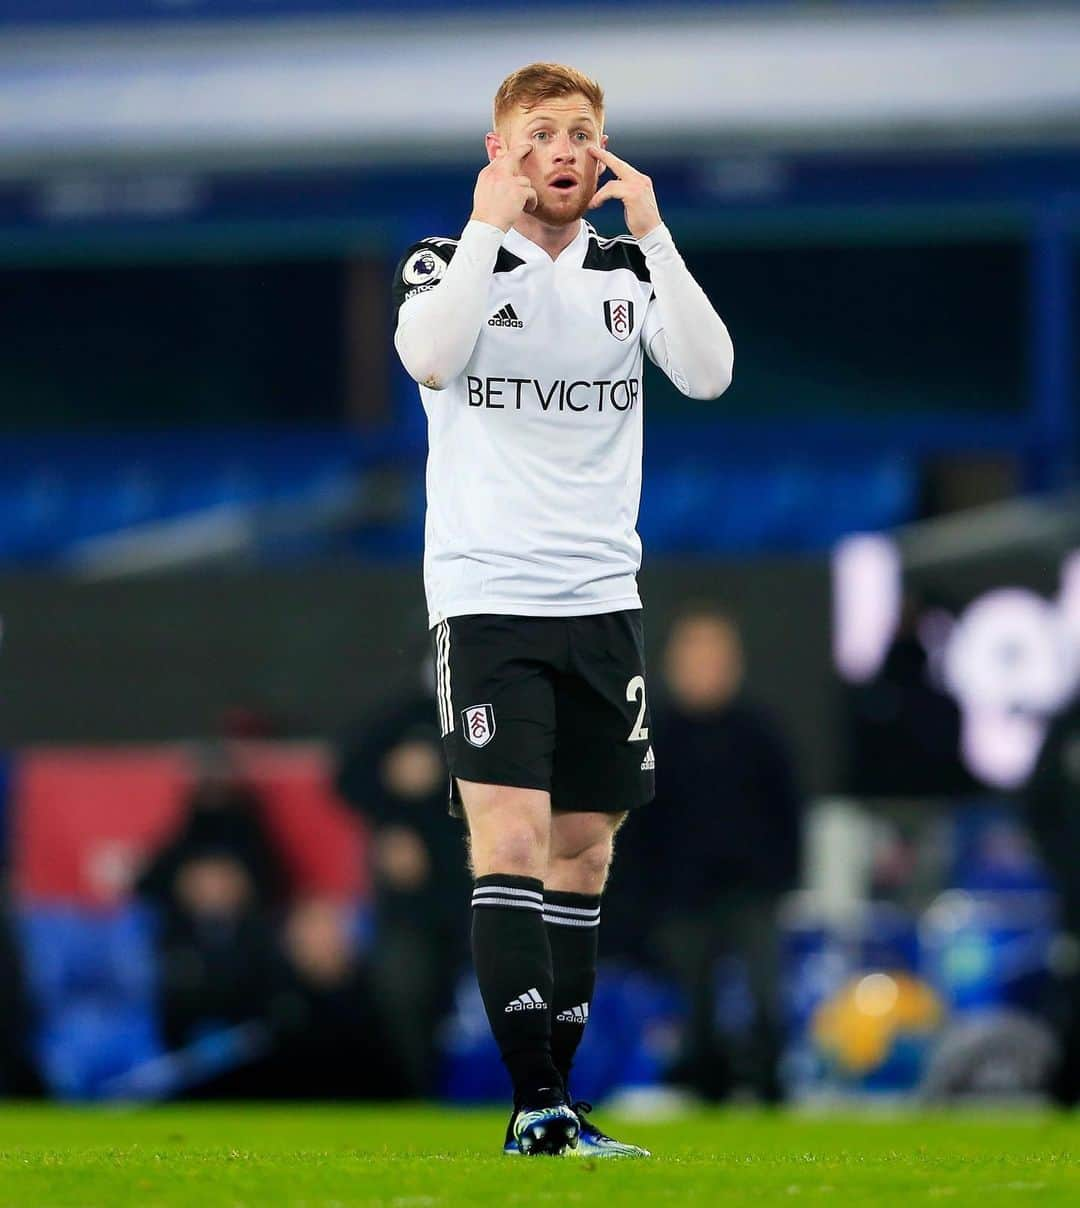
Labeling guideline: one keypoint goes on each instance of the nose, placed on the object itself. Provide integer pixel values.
(564, 148)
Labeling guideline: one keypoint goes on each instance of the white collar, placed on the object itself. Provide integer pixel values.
(524, 247)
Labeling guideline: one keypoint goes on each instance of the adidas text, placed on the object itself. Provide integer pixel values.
(649, 762)
(579, 1014)
(529, 1001)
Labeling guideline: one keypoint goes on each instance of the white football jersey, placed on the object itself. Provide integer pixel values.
(534, 463)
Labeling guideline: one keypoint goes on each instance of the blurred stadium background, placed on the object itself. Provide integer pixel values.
(226, 867)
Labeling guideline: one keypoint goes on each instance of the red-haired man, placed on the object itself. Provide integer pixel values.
(527, 336)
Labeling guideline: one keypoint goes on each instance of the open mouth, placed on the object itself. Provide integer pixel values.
(563, 183)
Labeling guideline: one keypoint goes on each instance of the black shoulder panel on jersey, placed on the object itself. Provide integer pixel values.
(608, 254)
(506, 262)
(421, 267)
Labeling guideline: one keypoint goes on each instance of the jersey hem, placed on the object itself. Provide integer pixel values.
(531, 608)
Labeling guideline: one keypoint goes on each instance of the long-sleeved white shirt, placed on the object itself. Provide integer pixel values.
(530, 371)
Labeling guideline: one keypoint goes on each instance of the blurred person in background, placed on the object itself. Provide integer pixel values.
(1051, 804)
(905, 726)
(215, 883)
(394, 775)
(331, 1041)
(718, 852)
(18, 1076)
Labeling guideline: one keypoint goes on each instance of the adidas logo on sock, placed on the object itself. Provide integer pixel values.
(505, 317)
(578, 1014)
(529, 1001)
(648, 764)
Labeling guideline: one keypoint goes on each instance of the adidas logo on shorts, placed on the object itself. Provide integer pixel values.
(529, 1001)
(648, 764)
(578, 1014)
(505, 316)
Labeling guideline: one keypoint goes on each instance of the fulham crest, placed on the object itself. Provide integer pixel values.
(619, 317)
(478, 724)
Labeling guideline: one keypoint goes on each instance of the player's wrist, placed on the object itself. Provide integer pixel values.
(645, 229)
(491, 221)
(655, 238)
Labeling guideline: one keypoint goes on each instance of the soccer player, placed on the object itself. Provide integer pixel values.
(526, 335)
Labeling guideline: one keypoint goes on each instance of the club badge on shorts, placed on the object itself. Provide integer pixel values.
(478, 724)
(619, 317)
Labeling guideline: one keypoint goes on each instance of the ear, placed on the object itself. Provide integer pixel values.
(492, 144)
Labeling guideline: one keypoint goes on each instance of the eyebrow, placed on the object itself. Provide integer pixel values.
(581, 119)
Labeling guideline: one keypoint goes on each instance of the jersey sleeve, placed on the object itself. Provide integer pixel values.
(421, 269)
(683, 335)
(651, 326)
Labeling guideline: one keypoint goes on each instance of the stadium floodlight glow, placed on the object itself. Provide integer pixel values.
(1011, 664)
(1069, 596)
(1011, 660)
(866, 603)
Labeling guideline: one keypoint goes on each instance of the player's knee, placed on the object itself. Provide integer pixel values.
(596, 860)
(516, 851)
(590, 866)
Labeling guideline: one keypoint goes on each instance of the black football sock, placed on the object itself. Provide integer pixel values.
(573, 923)
(513, 966)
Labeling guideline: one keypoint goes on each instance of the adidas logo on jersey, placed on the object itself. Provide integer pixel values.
(529, 1001)
(578, 1014)
(648, 764)
(505, 317)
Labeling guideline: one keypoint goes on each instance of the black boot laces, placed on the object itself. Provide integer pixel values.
(582, 1108)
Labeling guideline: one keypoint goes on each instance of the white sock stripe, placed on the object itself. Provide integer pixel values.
(558, 921)
(515, 902)
(581, 912)
(508, 890)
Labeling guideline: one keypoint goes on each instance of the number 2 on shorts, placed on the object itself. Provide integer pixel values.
(635, 689)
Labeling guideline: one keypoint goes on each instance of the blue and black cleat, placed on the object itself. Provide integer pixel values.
(592, 1143)
(542, 1128)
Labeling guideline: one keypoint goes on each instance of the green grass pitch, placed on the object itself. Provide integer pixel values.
(321, 1156)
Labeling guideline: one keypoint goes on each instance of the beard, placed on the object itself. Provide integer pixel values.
(565, 212)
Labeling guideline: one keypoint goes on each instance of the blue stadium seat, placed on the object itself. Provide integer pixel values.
(704, 492)
(91, 987)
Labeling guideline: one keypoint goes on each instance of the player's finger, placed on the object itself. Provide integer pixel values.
(531, 201)
(612, 189)
(518, 153)
(523, 180)
(619, 166)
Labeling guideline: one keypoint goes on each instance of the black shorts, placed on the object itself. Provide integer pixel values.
(552, 703)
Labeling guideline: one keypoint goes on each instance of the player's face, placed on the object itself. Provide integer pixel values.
(560, 168)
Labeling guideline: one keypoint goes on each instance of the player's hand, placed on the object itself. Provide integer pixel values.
(633, 188)
(502, 193)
